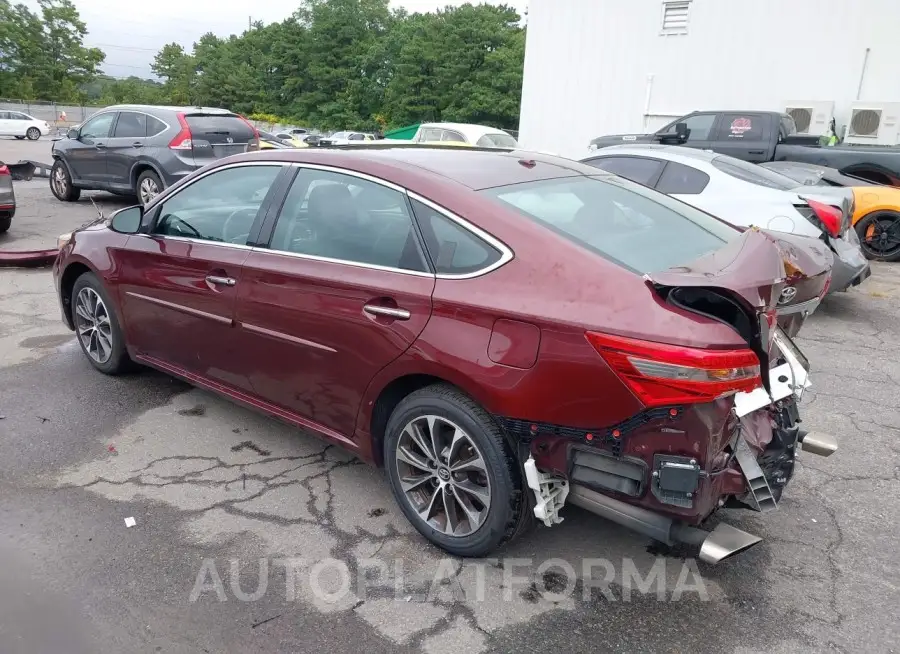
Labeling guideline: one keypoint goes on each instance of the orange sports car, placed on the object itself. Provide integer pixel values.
(876, 207)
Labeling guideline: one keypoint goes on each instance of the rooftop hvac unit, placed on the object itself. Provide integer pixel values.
(812, 118)
(874, 123)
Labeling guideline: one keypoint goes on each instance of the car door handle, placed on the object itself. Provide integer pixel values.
(220, 281)
(137, 144)
(390, 312)
(757, 152)
(100, 146)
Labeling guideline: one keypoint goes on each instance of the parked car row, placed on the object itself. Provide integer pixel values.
(770, 138)
(505, 332)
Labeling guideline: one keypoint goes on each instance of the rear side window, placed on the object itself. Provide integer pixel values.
(679, 179)
(453, 248)
(754, 174)
(497, 140)
(737, 127)
(639, 229)
(637, 169)
(219, 128)
(155, 126)
(131, 125)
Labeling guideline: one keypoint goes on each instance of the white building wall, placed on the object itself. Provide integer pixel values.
(595, 67)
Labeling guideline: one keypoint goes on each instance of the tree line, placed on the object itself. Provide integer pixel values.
(354, 64)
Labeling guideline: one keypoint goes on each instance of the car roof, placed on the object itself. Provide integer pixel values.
(668, 152)
(476, 168)
(470, 131)
(187, 110)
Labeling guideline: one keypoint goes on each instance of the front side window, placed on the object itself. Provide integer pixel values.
(678, 179)
(454, 250)
(737, 127)
(754, 174)
(639, 229)
(220, 207)
(638, 169)
(342, 217)
(699, 127)
(97, 127)
(430, 134)
(450, 135)
(131, 125)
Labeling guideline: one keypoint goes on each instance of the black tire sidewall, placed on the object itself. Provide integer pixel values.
(506, 496)
(5, 224)
(144, 175)
(863, 225)
(72, 193)
(118, 361)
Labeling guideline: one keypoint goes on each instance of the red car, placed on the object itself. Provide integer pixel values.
(503, 331)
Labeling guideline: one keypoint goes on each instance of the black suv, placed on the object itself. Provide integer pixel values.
(140, 150)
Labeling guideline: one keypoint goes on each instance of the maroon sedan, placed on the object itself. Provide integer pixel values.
(503, 331)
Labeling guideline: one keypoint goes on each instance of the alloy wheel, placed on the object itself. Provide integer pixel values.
(882, 237)
(148, 190)
(33, 133)
(60, 181)
(443, 475)
(93, 325)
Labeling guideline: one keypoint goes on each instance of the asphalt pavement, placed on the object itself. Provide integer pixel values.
(252, 536)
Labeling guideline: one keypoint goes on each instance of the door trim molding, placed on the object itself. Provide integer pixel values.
(180, 307)
(285, 337)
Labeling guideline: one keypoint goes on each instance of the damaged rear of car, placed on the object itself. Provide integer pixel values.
(715, 419)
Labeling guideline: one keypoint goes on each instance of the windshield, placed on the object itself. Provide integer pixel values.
(497, 140)
(754, 174)
(625, 223)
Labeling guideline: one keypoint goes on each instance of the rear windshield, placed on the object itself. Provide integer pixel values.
(634, 227)
(497, 140)
(222, 125)
(754, 174)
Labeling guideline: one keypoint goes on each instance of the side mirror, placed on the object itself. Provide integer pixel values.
(72, 133)
(127, 221)
(682, 131)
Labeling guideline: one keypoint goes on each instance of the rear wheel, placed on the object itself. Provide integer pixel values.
(5, 222)
(61, 183)
(453, 473)
(147, 186)
(97, 326)
(879, 235)
(33, 133)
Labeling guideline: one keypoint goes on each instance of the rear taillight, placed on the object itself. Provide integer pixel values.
(660, 374)
(830, 218)
(4, 170)
(182, 140)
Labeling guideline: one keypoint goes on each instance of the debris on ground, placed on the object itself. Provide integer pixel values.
(130, 522)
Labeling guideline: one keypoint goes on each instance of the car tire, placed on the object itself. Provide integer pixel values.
(879, 235)
(97, 326)
(33, 133)
(489, 485)
(5, 222)
(144, 185)
(61, 183)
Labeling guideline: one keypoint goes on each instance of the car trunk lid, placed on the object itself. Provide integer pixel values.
(741, 283)
(218, 135)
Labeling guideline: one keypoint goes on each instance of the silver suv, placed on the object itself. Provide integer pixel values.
(141, 150)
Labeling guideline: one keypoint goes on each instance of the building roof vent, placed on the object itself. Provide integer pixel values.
(675, 16)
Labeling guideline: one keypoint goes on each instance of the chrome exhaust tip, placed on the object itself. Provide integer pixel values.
(818, 443)
(724, 542)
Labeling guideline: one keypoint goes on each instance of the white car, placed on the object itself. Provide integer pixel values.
(744, 195)
(464, 134)
(346, 138)
(21, 125)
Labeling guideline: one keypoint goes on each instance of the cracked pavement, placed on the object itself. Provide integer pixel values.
(247, 530)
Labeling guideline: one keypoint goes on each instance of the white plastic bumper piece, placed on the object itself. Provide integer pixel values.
(790, 377)
(549, 491)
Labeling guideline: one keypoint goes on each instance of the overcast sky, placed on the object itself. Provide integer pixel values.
(131, 32)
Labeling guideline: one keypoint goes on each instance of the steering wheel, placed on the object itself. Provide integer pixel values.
(174, 222)
(230, 224)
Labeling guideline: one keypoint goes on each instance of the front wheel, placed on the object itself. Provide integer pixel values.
(97, 326)
(33, 133)
(61, 183)
(879, 235)
(452, 472)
